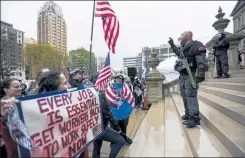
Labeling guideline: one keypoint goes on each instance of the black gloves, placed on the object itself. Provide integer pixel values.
(200, 79)
(171, 42)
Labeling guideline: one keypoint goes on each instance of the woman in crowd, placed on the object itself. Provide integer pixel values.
(48, 81)
(8, 88)
(121, 101)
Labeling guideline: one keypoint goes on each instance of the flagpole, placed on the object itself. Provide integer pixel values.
(91, 40)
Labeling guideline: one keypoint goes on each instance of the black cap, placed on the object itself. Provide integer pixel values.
(76, 71)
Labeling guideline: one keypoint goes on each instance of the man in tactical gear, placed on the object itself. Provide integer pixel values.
(195, 54)
(76, 78)
(220, 53)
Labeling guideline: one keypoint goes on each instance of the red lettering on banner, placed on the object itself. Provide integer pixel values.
(48, 135)
(90, 93)
(75, 147)
(58, 101)
(49, 103)
(52, 149)
(73, 123)
(44, 137)
(41, 102)
(83, 116)
(70, 138)
(94, 111)
(54, 117)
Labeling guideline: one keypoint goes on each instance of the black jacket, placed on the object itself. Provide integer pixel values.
(74, 82)
(221, 47)
(107, 116)
(195, 53)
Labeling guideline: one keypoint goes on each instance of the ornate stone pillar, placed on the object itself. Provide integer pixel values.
(154, 80)
(220, 25)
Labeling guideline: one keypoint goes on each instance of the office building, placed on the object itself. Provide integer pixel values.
(133, 62)
(12, 58)
(51, 26)
(100, 63)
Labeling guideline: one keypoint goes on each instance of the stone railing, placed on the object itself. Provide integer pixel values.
(170, 87)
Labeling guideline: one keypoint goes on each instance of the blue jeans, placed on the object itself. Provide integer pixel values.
(109, 135)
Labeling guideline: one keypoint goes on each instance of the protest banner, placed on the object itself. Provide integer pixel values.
(61, 123)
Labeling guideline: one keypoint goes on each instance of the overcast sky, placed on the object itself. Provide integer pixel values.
(142, 23)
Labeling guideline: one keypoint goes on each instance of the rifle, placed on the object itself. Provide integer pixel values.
(185, 65)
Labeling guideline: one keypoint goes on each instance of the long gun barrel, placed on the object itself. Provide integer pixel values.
(193, 83)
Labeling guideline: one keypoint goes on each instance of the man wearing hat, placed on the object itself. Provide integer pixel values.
(76, 78)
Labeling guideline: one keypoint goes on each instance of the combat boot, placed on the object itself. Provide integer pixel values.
(217, 77)
(197, 122)
(185, 117)
(191, 123)
(225, 76)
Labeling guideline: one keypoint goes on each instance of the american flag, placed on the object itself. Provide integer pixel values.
(110, 24)
(113, 98)
(105, 75)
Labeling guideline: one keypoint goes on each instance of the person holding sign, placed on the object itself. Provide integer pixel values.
(9, 88)
(121, 101)
(50, 81)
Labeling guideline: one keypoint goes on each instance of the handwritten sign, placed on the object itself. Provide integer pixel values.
(61, 123)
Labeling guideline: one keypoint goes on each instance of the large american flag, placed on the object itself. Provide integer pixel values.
(105, 75)
(113, 98)
(110, 24)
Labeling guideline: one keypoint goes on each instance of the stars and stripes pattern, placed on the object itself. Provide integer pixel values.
(105, 75)
(110, 24)
(113, 98)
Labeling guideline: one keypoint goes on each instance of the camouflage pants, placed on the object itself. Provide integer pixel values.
(189, 96)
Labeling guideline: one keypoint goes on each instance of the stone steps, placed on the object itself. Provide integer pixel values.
(232, 95)
(230, 80)
(225, 85)
(233, 110)
(222, 110)
(176, 144)
(134, 122)
(201, 140)
(230, 133)
(151, 128)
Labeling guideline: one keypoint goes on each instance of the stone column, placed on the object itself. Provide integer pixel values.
(234, 40)
(233, 55)
(154, 80)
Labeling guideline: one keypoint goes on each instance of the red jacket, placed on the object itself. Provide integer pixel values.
(10, 144)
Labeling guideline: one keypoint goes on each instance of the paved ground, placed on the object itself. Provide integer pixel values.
(134, 122)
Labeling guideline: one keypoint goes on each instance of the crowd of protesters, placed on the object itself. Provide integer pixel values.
(115, 120)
